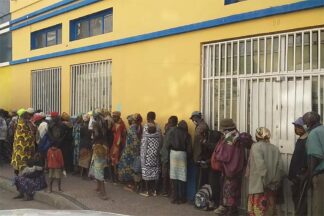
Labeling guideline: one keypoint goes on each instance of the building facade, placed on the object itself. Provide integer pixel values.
(259, 62)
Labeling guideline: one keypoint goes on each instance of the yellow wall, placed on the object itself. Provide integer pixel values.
(133, 17)
(163, 74)
(20, 8)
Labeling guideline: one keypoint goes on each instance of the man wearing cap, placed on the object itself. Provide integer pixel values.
(315, 152)
(298, 166)
(200, 140)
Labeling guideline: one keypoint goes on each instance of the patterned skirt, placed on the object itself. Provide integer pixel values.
(261, 204)
(232, 191)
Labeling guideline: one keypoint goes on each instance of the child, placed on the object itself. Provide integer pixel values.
(99, 162)
(55, 165)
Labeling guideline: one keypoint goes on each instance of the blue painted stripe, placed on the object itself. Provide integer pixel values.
(41, 11)
(54, 13)
(184, 29)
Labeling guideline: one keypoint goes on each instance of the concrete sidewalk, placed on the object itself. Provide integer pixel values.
(80, 194)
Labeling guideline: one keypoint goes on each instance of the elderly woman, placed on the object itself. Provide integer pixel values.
(231, 155)
(264, 172)
(131, 150)
(24, 141)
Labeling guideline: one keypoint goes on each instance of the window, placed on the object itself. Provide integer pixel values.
(91, 25)
(5, 47)
(46, 37)
(254, 60)
(232, 1)
(90, 86)
(46, 89)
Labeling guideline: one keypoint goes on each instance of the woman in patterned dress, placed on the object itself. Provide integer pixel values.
(150, 161)
(24, 142)
(126, 170)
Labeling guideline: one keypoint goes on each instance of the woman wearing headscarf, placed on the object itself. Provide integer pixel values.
(24, 142)
(131, 150)
(264, 172)
(119, 130)
(85, 144)
(231, 155)
(76, 142)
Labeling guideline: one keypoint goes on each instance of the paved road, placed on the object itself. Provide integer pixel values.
(6, 202)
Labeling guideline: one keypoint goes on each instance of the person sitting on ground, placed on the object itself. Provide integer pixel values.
(30, 180)
(55, 165)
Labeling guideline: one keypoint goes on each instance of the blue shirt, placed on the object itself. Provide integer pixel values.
(315, 145)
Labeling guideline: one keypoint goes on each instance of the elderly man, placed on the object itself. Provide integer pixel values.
(315, 152)
(200, 149)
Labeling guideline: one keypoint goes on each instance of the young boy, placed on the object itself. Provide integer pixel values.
(55, 164)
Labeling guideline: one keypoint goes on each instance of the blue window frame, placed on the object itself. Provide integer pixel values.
(91, 25)
(232, 1)
(46, 37)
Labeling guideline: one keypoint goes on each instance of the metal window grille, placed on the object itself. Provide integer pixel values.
(278, 55)
(265, 81)
(46, 89)
(91, 86)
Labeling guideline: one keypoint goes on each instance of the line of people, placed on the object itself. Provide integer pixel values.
(207, 170)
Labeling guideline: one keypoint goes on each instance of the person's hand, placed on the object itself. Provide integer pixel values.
(64, 173)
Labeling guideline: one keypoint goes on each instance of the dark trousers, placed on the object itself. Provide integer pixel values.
(296, 190)
(178, 190)
(166, 189)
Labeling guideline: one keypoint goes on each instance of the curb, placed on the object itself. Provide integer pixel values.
(57, 200)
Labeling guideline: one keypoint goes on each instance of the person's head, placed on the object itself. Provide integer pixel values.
(246, 140)
(55, 117)
(227, 125)
(262, 134)
(2, 114)
(151, 128)
(196, 117)
(183, 125)
(299, 126)
(311, 119)
(86, 117)
(65, 117)
(116, 116)
(138, 118)
(30, 112)
(172, 121)
(20, 112)
(151, 116)
(130, 119)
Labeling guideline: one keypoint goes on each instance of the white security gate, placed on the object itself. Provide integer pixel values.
(46, 89)
(91, 86)
(265, 81)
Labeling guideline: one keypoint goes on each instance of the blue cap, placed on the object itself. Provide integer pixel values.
(299, 122)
